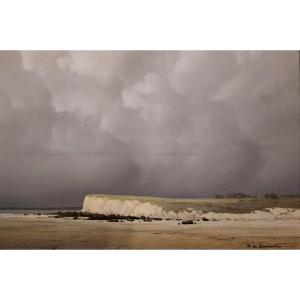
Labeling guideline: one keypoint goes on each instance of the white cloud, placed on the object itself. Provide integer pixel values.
(176, 123)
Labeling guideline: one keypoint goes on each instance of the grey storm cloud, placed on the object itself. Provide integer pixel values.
(173, 123)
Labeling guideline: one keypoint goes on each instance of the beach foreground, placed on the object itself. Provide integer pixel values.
(44, 232)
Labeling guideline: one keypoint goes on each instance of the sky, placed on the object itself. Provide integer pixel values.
(168, 123)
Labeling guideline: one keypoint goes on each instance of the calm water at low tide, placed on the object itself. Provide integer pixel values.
(30, 211)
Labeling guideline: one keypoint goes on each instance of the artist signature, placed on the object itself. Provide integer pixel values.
(263, 246)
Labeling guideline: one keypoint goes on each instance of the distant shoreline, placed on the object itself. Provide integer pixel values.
(41, 208)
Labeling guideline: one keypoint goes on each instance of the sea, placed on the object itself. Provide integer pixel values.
(34, 211)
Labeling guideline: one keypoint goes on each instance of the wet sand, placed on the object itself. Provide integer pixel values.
(42, 232)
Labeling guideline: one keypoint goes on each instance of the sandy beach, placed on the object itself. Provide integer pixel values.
(44, 232)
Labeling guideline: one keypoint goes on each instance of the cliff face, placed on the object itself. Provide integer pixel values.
(126, 207)
(138, 206)
(192, 209)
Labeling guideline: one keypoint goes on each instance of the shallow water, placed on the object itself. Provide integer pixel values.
(30, 211)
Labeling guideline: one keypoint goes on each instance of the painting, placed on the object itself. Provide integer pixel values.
(149, 150)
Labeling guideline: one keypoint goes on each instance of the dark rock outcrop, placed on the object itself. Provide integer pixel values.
(237, 195)
(185, 222)
(271, 196)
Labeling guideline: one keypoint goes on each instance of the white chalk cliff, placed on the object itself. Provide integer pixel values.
(146, 206)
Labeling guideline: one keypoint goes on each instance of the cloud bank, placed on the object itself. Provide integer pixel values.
(147, 122)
